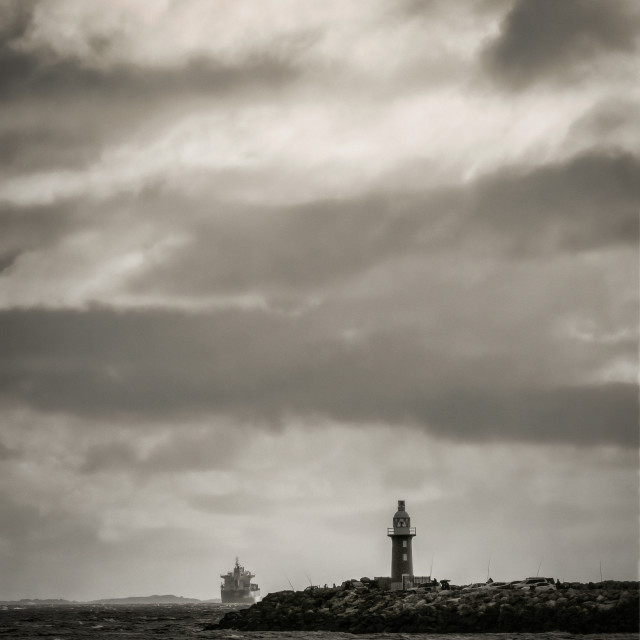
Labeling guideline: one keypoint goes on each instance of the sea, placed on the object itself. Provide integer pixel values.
(188, 621)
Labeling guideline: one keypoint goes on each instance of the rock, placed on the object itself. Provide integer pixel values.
(580, 609)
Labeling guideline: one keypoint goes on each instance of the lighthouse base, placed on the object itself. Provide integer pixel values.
(408, 582)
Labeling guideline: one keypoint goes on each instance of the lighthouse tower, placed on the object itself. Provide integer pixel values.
(401, 557)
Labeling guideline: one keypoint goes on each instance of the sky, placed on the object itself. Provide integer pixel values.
(269, 266)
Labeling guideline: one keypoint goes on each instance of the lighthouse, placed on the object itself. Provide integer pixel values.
(401, 557)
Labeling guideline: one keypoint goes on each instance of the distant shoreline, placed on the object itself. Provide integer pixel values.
(142, 600)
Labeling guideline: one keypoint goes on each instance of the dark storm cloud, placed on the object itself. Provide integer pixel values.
(586, 412)
(35, 227)
(549, 39)
(587, 202)
(590, 201)
(39, 147)
(260, 368)
(292, 247)
(37, 77)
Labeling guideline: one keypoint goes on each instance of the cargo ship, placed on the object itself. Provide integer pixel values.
(238, 588)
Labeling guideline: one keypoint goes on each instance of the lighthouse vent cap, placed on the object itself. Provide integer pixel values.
(401, 513)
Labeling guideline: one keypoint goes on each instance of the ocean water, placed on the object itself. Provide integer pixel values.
(183, 622)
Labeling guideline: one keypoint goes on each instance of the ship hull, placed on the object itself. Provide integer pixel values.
(238, 597)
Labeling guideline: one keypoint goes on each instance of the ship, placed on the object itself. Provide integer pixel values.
(237, 586)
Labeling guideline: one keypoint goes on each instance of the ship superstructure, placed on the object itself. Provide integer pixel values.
(237, 587)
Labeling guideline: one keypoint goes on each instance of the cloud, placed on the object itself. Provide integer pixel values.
(37, 148)
(166, 450)
(547, 40)
(28, 76)
(263, 269)
(297, 247)
(113, 455)
(588, 202)
(38, 60)
(36, 228)
(233, 503)
(16, 16)
(7, 453)
(90, 110)
(613, 121)
(90, 102)
(259, 368)
(475, 311)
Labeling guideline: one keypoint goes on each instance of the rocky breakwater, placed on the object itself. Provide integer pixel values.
(608, 608)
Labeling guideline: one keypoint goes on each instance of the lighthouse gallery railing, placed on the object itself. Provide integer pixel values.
(411, 531)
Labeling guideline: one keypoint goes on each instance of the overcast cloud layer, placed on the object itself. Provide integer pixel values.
(288, 262)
